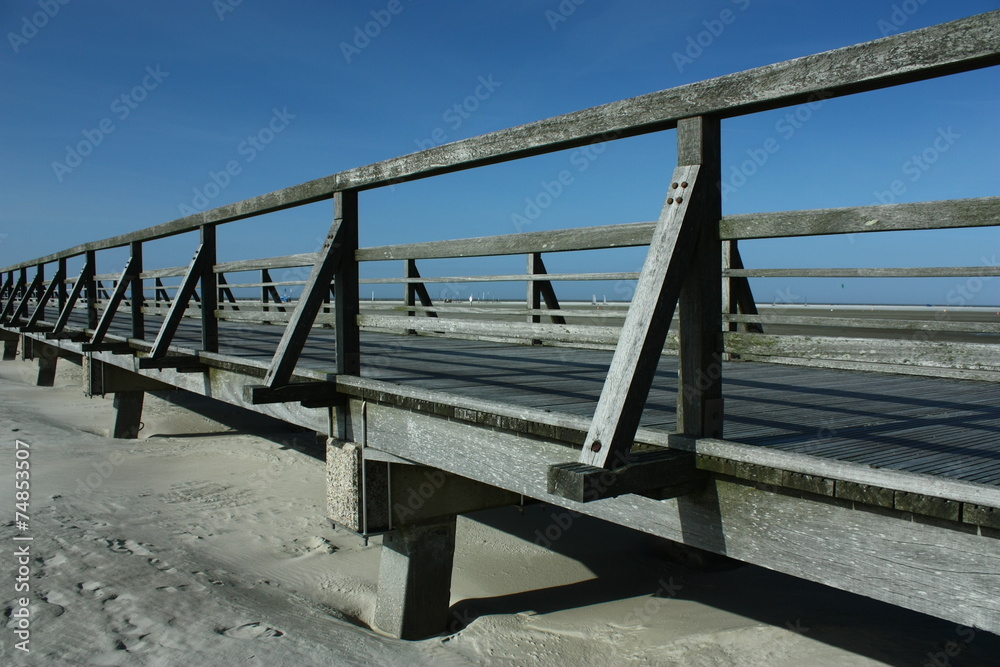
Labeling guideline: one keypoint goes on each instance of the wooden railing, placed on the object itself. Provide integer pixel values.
(693, 258)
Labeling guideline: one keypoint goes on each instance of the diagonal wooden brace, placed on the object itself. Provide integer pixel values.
(8, 308)
(336, 247)
(121, 289)
(74, 296)
(49, 292)
(179, 305)
(22, 307)
(645, 330)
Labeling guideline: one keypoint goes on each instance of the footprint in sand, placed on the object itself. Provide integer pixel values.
(250, 631)
(161, 566)
(92, 589)
(129, 547)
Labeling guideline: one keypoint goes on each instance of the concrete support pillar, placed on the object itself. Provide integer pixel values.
(414, 580)
(47, 356)
(128, 414)
(10, 342)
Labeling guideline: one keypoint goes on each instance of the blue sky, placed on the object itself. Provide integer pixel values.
(280, 93)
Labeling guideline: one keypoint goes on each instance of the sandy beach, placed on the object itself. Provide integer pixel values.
(205, 542)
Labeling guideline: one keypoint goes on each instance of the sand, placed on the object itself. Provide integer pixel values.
(205, 543)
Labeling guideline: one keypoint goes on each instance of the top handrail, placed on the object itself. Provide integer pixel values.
(958, 46)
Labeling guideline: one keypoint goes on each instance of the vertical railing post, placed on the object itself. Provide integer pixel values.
(699, 391)
(138, 319)
(265, 277)
(92, 314)
(346, 285)
(61, 293)
(41, 286)
(534, 288)
(209, 292)
(410, 290)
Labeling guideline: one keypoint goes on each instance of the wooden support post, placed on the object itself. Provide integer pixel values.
(644, 333)
(335, 259)
(92, 315)
(225, 291)
(160, 293)
(414, 580)
(209, 292)
(67, 308)
(128, 414)
(541, 290)
(61, 294)
(699, 368)
(138, 299)
(347, 285)
(738, 298)
(415, 292)
(46, 356)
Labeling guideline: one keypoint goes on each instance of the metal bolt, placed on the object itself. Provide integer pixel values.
(680, 199)
(673, 186)
(670, 200)
(596, 447)
(684, 184)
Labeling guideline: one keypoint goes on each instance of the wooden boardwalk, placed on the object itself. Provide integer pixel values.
(863, 455)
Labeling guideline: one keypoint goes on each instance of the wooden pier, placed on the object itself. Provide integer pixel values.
(858, 450)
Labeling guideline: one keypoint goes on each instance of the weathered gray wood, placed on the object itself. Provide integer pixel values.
(39, 311)
(415, 290)
(122, 287)
(738, 294)
(645, 330)
(283, 262)
(893, 367)
(74, 296)
(340, 241)
(209, 291)
(541, 290)
(973, 356)
(916, 272)
(660, 474)
(560, 240)
(179, 305)
(863, 323)
(47, 357)
(815, 540)
(961, 45)
(573, 333)
(138, 297)
(159, 274)
(699, 371)
(348, 343)
(9, 306)
(22, 306)
(90, 259)
(506, 277)
(981, 212)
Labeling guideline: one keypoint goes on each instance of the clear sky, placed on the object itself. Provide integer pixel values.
(192, 104)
